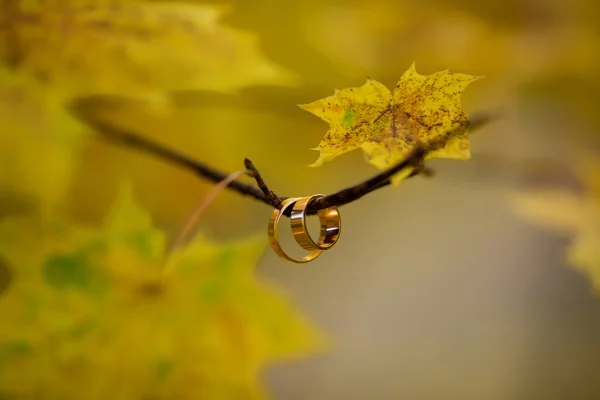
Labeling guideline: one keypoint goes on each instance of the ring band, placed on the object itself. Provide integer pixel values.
(274, 234)
(329, 218)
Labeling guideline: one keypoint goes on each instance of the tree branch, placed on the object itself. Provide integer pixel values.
(415, 160)
(270, 195)
(130, 139)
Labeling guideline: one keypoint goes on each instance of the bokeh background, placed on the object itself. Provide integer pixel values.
(437, 289)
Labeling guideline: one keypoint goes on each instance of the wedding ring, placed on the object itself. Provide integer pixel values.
(329, 218)
(274, 234)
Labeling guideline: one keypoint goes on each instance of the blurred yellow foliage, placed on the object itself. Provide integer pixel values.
(87, 313)
(568, 213)
(387, 126)
(38, 140)
(131, 48)
(54, 52)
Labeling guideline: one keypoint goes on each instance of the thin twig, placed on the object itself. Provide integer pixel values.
(272, 198)
(194, 218)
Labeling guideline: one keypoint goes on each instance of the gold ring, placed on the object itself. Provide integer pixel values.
(274, 234)
(329, 218)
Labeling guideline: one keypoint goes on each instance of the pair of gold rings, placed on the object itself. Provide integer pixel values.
(330, 221)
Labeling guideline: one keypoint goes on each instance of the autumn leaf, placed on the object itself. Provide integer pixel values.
(571, 214)
(87, 311)
(388, 125)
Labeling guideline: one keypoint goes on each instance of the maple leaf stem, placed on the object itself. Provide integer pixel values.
(262, 192)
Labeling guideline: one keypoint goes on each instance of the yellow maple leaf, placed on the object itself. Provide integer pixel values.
(576, 215)
(388, 125)
(88, 313)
